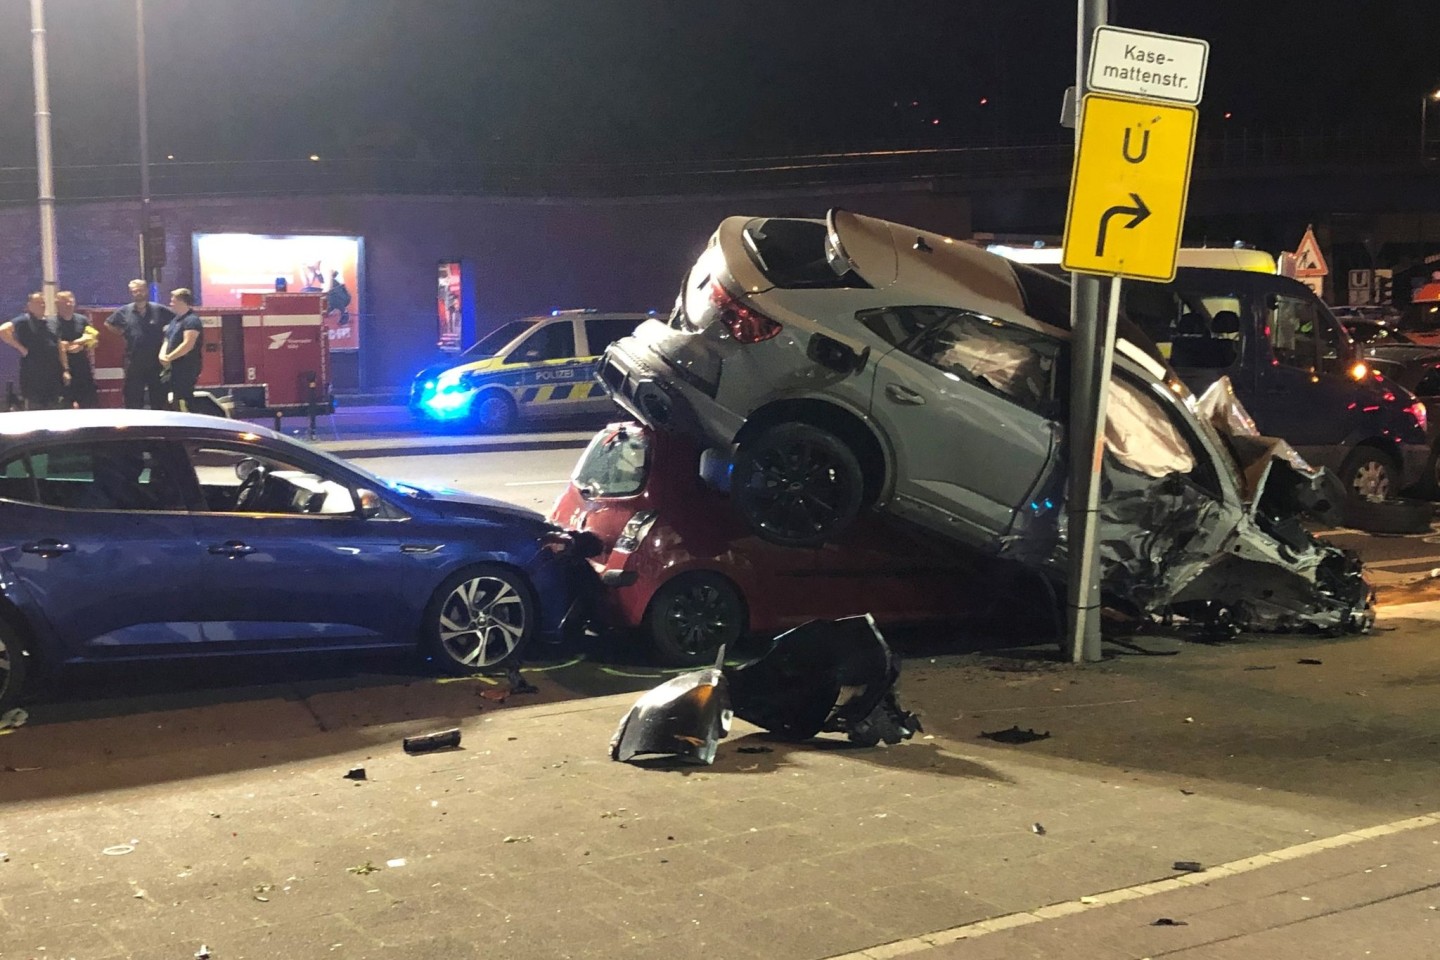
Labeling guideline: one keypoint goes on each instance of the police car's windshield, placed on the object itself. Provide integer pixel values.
(492, 342)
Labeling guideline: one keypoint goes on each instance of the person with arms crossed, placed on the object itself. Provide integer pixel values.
(181, 350)
(143, 323)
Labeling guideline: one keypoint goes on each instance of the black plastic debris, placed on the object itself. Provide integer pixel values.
(1038, 829)
(825, 676)
(1014, 735)
(1310, 661)
(754, 749)
(1188, 866)
(1169, 922)
(427, 742)
(357, 773)
(518, 683)
(685, 717)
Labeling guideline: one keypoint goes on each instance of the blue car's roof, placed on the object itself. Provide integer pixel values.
(21, 423)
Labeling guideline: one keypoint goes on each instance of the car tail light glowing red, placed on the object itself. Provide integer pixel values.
(746, 324)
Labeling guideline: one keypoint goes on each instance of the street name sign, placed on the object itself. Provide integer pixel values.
(1128, 188)
(1157, 66)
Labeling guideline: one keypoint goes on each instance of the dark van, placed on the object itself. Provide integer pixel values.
(1294, 368)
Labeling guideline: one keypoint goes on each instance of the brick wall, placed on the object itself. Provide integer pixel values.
(527, 256)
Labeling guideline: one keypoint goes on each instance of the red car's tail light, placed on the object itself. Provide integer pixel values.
(746, 324)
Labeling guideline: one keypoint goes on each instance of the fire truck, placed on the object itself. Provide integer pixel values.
(269, 356)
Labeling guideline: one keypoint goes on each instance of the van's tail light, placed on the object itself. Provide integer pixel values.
(746, 324)
(1417, 410)
(636, 529)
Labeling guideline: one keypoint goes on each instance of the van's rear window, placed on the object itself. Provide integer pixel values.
(615, 464)
(791, 253)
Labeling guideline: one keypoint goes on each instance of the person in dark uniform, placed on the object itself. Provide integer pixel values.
(143, 323)
(34, 336)
(77, 343)
(181, 350)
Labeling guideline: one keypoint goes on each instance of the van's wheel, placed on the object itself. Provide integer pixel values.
(797, 485)
(492, 411)
(13, 663)
(691, 616)
(480, 618)
(1369, 473)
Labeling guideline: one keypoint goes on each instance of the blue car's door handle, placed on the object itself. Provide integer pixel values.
(47, 548)
(231, 548)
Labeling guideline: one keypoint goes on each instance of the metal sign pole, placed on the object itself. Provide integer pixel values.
(49, 259)
(1089, 351)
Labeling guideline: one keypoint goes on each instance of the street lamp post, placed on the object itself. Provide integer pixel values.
(49, 259)
(147, 270)
(1425, 102)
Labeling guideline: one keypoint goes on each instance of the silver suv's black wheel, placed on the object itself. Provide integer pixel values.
(691, 616)
(480, 618)
(797, 485)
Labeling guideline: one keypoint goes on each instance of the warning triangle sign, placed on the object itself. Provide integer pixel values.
(1309, 261)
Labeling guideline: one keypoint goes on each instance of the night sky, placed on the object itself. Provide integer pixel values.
(599, 81)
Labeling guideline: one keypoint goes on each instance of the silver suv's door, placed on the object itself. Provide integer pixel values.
(964, 400)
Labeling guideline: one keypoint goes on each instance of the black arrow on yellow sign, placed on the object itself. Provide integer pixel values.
(1138, 213)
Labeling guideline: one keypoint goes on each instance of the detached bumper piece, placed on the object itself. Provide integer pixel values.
(821, 677)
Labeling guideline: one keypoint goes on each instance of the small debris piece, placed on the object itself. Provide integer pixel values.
(1188, 866)
(397, 862)
(119, 850)
(11, 719)
(1310, 661)
(519, 684)
(499, 696)
(1015, 735)
(363, 869)
(1038, 828)
(1188, 793)
(754, 749)
(357, 773)
(1271, 667)
(520, 839)
(1168, 922)
(203, 953)
(426, 742)
(1189, 719)
(214, 815)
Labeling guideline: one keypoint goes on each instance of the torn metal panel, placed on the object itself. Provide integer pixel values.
(825, 676)
(685, 717)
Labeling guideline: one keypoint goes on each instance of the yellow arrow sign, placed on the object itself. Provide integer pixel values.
(1128, 189)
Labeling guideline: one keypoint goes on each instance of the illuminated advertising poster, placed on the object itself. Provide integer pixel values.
(449, 296)
(228, 265)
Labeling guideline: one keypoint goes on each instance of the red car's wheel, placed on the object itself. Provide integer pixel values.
(692, 615)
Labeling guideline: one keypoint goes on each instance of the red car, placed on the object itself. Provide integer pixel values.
(683, 567)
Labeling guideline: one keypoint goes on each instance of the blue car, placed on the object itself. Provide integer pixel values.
(131, 534)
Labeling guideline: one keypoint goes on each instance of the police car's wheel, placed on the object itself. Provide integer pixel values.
(12, 667)
(481, 618)
(492, 412)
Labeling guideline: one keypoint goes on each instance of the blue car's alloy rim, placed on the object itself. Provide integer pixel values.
(482, 621)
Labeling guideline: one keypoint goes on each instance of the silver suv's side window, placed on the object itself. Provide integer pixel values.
(1014, 362)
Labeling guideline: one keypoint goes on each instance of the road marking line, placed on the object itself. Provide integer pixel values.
(1401, 562)
(1009, 921)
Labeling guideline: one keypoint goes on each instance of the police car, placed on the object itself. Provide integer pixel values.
(528, 369)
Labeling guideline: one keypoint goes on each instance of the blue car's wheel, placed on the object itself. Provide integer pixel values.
(12, 667)
(480, 618)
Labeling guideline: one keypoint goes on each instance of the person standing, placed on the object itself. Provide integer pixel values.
(337, 299)
(34, 336)
(143, 324)
(77, 354)
(181, 350)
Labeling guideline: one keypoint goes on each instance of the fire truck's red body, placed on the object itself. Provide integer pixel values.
(269, 354)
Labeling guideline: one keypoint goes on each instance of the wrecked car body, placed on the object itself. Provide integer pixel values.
(857, 364)
(825, 676)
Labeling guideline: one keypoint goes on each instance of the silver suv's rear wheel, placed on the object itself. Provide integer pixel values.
(797, 485)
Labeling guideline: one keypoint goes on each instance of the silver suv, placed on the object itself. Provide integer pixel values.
(853, 362)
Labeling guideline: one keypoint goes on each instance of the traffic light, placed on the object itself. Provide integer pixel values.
(152, 248)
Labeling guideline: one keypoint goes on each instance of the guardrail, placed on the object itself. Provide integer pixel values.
(1242, 153)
